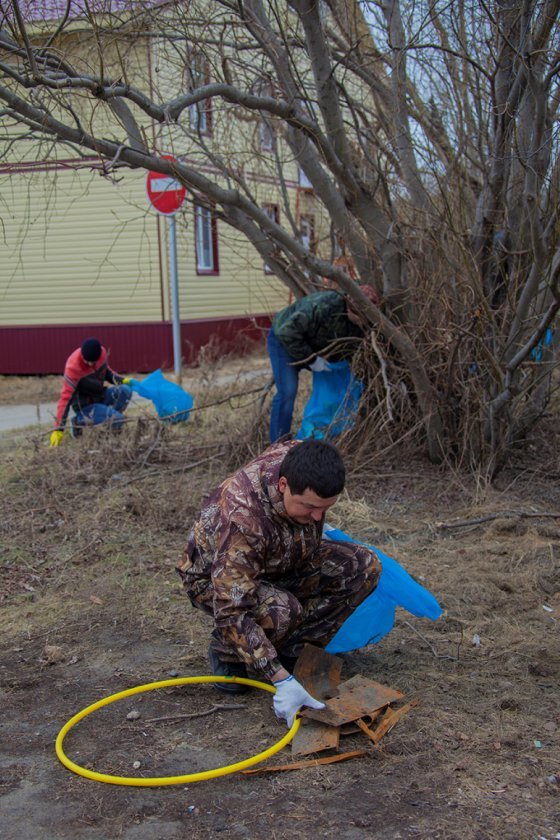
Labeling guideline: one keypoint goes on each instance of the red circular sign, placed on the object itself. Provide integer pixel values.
(165, 194)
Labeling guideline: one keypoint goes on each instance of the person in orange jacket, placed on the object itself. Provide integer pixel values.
(84, 390)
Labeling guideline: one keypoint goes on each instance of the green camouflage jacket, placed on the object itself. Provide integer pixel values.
(308, 326)
(242, 536)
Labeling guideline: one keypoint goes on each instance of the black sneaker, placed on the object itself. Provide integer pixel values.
(75, 430)
(220, 668)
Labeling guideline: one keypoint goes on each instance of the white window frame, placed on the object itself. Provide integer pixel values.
(200, 113)
(307, 232)
(206, 241)
(266, 135)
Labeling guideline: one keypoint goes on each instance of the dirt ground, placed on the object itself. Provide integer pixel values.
(90, 605)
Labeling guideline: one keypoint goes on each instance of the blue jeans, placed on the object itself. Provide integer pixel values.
(286, 376)
(115, 401)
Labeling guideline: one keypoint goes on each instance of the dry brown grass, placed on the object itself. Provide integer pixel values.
(90, 534)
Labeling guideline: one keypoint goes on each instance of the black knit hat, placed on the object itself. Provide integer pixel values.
(91, 349)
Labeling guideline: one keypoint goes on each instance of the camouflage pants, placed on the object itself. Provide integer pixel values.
(309, 605)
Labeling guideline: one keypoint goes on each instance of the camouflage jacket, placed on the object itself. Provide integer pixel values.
(310, 324)
(242, 536)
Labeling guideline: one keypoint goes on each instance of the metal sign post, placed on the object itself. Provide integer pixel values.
(166, 196)
(175, 321)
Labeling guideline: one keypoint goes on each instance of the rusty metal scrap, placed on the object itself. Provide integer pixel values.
(388, 720)
(319, 672)
(356, 698)
(314, 737)
(351, 706)
(314, 762)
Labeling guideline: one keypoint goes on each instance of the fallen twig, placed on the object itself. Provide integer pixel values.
(503, 514)
(229, 397)
(152, 447)
(314, 762)
(217, 707)
(185, 468)
(384, 376)
(432, 648)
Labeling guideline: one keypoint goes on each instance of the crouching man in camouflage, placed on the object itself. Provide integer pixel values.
(255, 561)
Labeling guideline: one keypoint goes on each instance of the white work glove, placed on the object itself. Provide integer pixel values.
(320, 365)
(290, 697)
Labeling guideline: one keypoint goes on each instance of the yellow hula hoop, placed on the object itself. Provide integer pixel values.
(157, 781)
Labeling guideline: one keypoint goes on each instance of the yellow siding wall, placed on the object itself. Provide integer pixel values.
(240, 288)
(77, 248)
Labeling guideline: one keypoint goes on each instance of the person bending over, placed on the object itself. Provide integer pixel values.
(256, 562)
(84, 391)
(298, 335)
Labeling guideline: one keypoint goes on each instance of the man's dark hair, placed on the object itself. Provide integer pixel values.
(314, 464)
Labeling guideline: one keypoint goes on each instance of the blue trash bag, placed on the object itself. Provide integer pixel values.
(171, 402)
(333, 404)
(375, 616)
(546, 340)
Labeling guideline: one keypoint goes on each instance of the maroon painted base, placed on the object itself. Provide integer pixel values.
(135, 348)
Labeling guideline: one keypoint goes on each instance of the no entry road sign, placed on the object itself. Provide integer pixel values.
(165, 194)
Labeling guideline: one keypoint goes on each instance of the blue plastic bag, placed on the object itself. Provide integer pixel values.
(375, 616)
(546, 340)
(171, 402)
(333, 404)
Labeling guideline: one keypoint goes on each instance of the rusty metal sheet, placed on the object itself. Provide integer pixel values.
(300, 765)
(388, 720)
(353, 728)
(356, 698)
(318, 672)
(314, 737)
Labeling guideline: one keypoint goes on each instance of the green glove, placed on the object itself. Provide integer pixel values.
(56, 437)
(126, 380)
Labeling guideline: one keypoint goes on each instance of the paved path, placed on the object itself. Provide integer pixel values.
(17, 416)
(43, 414)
